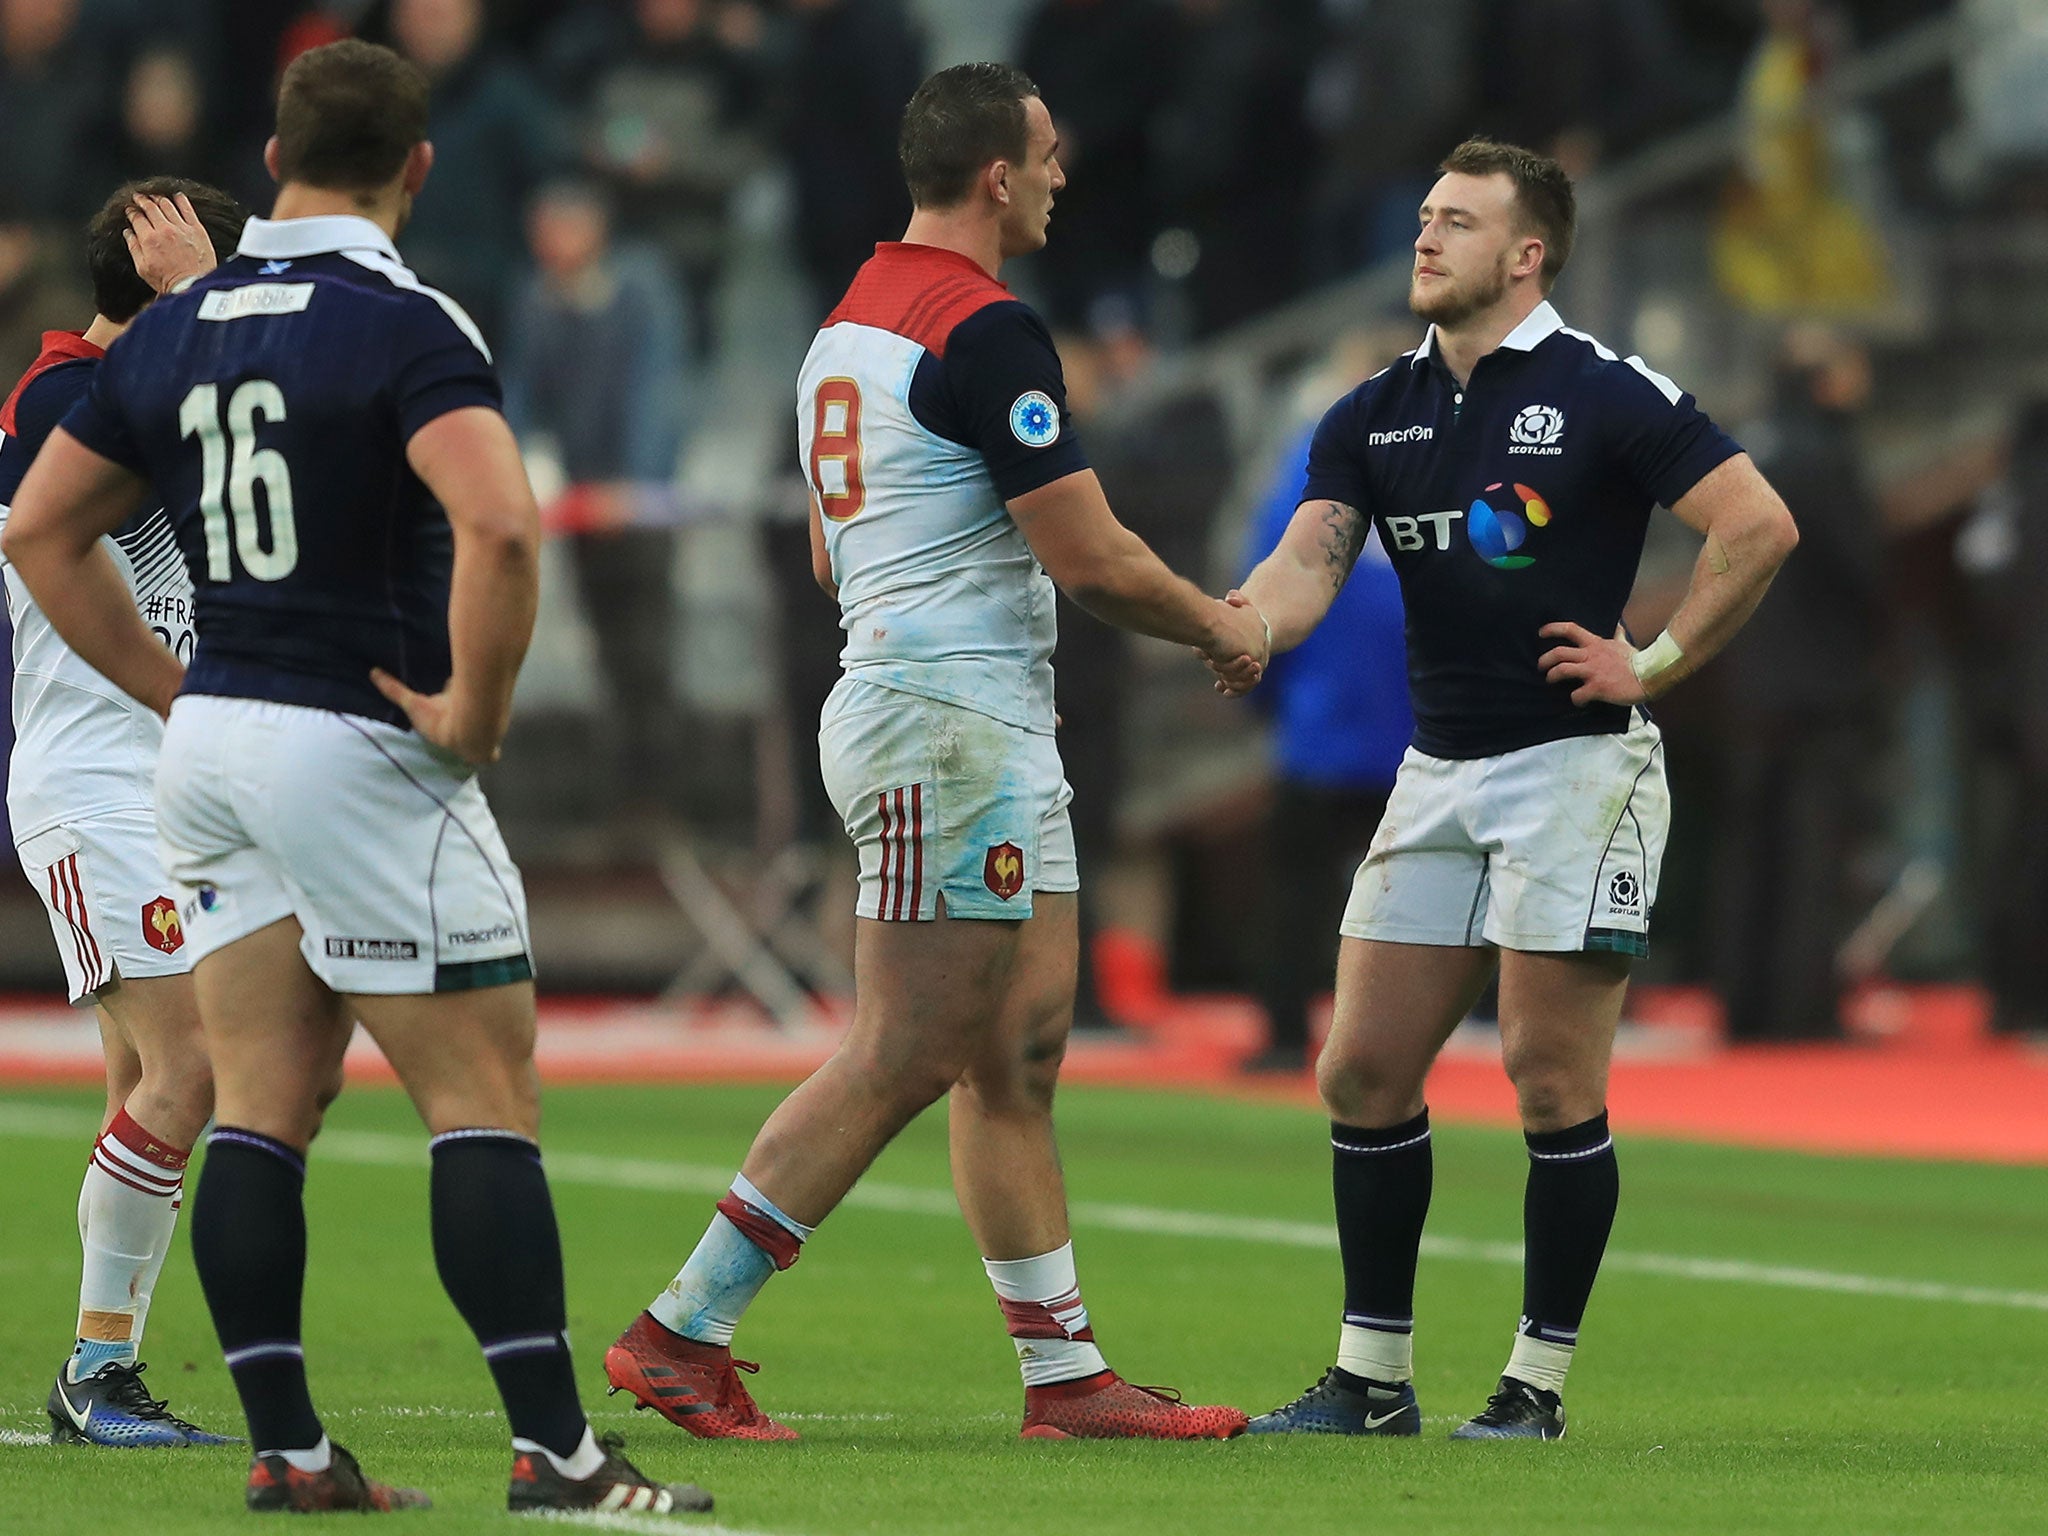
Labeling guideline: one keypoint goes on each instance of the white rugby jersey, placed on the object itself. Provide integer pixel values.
(929, 399)
(81, 745)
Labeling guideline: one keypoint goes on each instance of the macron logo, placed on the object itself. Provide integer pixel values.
(1405, 435)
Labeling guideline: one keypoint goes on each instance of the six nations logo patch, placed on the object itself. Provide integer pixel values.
(1035, 420)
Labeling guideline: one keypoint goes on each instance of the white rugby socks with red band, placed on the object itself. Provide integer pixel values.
(127, 1210)
(1048, 1322)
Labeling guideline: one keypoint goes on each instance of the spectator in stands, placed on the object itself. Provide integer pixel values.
(853, 66)
(53, 95)
(496, 138)
(1802, 706)
(1393, 90)
(594, 364)
(162, 129)
(1232, 155)
(1341, 722)
(2009, 705)
(1790, 240)
(677, 117)
(1164, 462)
(39, 288)
(1098, 64)
(1579, 77)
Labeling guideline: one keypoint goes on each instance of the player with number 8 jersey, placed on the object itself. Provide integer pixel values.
(949, 493)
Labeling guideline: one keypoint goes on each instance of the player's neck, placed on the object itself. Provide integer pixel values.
(103, 333)
(297, 201)
(1460, 347)
(965, 232)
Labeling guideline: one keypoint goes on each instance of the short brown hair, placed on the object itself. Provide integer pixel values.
(348, 114)
(117, 292)
(1543, 193)
(959, 121)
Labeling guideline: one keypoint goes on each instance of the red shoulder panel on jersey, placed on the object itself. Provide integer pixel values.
(58, 347)
(920, 292)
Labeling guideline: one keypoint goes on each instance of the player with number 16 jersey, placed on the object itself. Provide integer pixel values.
(316, 554)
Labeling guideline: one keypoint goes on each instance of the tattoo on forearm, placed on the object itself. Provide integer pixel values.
(1341, 537)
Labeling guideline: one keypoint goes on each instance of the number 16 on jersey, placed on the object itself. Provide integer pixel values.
(232, 462)
(835, 449)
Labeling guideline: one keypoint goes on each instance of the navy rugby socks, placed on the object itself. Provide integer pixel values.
(249, 1244)
(1382, 1180)
(1567, 1212)
(500, 1257)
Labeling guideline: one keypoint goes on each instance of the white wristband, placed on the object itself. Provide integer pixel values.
(1655, 659)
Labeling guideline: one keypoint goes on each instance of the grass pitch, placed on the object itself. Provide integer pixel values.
(1752, 1362)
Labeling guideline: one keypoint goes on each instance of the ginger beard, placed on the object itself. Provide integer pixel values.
(1449, 301)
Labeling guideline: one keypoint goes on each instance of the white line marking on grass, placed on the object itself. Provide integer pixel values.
(383, 1150)
(19, 1437)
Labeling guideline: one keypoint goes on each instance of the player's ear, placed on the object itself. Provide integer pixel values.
(418, 161)
(270, 161)
(1530, 261)
(997, 179)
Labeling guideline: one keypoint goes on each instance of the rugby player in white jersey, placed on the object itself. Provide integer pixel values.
(81, 807)
(949, 495)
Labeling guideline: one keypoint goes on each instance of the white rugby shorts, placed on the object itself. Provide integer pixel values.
(379, 844)
(938, 798)
(111, 907)
(1556, 847)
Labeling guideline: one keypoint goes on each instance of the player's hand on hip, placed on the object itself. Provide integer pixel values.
(1598, 671)
(167, 241)
(1237, 649)
(443, 720)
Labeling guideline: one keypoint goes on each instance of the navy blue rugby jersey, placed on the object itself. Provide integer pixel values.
(1518, 501)
(269, 405)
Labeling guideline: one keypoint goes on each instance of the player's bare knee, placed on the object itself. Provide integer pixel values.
(1366, 1088)
(1552, 1095)
(1020, 1081)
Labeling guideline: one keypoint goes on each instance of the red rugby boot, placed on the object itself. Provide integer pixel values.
(696, 1386)
(275, 1484)
(1106, 1407)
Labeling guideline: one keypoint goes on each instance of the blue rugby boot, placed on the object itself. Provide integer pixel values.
(112, 1407)
(1517, 1411)
(1344, 1404)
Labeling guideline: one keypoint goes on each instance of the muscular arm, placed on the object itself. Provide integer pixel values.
(1749, 532)
(71, 498)
(1749, 535)
(1295, 585)
(1114, 574)
(470, 462)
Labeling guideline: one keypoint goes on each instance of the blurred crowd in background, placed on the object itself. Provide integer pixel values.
(1828, 220)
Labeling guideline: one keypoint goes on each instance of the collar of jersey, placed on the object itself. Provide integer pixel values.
(317, 236)
(1540, 324)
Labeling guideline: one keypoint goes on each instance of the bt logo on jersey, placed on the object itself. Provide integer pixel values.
(1496, 532)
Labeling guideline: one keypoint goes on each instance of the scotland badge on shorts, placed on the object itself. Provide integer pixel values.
(1035, 420)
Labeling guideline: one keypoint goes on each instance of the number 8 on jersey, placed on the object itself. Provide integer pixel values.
(835, 449)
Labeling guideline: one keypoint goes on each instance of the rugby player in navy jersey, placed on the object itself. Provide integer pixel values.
(1511, 465)
(324, 433)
